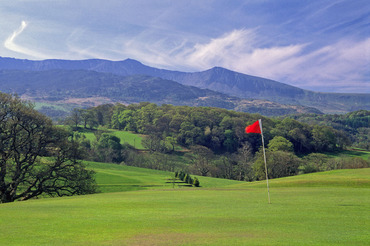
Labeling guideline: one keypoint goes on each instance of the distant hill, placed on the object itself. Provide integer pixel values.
(85, 88)
(216, 79)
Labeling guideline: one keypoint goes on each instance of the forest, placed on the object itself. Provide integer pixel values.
(212, 141)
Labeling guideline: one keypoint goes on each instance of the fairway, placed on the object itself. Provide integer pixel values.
(115, 178)
(305, 210)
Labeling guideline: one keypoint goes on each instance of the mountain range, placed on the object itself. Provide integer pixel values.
(218, 86)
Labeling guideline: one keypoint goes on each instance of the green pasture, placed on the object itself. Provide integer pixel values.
(55, 106)
(329, 208)
(128, 137)
(351, 153)
(125, 136)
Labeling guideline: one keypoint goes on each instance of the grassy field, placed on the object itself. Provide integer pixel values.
(351, 153)
(128, 137)
(125, 137)
(116, 178)
(330, 208)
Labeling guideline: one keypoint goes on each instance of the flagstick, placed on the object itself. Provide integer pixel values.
(264, 156)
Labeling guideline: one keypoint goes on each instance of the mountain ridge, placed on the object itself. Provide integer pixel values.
(217, 79)
(86, 88)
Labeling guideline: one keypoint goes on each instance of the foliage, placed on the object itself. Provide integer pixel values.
(279, 164)
(108, 149)
(348, 163)
(353, 128)
(314, 162)
(37, 158)
(214, 141)
(279, 143)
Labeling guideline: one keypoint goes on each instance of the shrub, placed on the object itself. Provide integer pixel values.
(347, 163)
(279, 164)
(196, 182)
(186, 178)
(182, 175)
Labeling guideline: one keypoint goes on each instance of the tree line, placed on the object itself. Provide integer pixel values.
(216, 142)
(220, 130)
(356, 124)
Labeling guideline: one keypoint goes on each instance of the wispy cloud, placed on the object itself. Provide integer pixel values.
(344, 63)
(319, 45)
(11, 45)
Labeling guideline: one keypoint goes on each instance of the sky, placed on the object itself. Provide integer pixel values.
(321, 45)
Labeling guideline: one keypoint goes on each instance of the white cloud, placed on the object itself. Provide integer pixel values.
(341, 64)
(11, 45)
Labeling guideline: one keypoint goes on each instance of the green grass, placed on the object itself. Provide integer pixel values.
(116, 178)
(329, 208)
(55, 106)
(129, 137)
(125, 137)
(351, 153)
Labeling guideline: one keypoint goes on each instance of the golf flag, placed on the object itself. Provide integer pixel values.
(254, 128)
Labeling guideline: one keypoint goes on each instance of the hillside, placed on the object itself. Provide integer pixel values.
(304, 210)
(217, 79)
(85, 88)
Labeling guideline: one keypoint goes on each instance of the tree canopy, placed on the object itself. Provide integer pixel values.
(37, 158)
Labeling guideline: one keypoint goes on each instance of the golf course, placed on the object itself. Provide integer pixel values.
(138, 206)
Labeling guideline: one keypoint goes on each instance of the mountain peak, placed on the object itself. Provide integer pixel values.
(129, 60)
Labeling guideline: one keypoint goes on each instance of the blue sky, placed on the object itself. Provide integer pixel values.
(321, 45)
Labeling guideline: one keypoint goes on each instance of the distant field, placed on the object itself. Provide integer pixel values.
(39, 105)
(351, 153)
(329, 208)
(129, 137)
(125, 137)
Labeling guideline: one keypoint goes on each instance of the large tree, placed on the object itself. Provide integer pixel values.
(37, 158)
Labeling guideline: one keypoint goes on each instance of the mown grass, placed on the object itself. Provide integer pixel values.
(351, 178)
(305, 210)
(116, 178)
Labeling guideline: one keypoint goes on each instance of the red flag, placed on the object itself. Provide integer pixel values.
(254, 128)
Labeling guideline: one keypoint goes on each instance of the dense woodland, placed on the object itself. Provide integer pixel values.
(213, 141)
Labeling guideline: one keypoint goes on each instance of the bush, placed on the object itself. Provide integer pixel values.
(196, 182)
(347, 163)
(186, 178)
(279, 164)
(182, 175)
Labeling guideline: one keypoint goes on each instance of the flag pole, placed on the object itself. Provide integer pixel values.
(264, 157)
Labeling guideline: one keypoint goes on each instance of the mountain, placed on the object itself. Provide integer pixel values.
(85, 88)
(216, 79)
